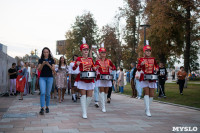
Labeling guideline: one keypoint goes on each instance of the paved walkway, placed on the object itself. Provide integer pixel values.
(124, 115)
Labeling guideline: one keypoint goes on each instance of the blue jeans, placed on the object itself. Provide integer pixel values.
(121, 89)
(113, 87)
(138, 88)
(45, 88)
(96, 93)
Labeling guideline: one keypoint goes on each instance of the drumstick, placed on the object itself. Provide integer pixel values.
(145, 62)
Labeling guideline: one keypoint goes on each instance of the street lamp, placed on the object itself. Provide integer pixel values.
(145, 26)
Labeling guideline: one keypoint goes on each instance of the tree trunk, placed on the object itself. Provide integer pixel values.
(187, 48)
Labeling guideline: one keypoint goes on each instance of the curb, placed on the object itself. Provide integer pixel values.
(173, 104)
(178, 105)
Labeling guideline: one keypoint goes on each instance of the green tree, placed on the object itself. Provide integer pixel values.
(111, 43)
(190, 12)
(84, 26)
(194, 49)
(166, 33)
(131, 12)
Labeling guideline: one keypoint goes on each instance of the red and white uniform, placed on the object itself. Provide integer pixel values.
(104, 68)
(148, 68)
(85, 65)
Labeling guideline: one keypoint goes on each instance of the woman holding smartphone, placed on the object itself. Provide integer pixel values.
(46, 66)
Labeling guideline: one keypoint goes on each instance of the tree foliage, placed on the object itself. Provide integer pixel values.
(166, 33)
(170, 32)
(130, 12)
(84, 26)
(112, 44)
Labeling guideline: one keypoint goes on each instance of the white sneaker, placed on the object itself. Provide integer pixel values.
(96, 104)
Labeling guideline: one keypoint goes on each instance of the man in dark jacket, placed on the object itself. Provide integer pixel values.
(132, 78)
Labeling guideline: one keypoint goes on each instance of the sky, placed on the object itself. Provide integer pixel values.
(26, 25)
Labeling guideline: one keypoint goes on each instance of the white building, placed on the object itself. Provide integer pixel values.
(3, 48)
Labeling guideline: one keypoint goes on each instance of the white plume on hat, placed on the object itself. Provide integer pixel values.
(22, 63)
(147, 42)
(84, 41)
(102, 45)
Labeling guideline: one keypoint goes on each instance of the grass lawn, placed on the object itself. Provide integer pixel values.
(190, 97)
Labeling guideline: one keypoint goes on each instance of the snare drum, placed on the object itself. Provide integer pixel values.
(106, 77)
(88, 75)
(150, 77)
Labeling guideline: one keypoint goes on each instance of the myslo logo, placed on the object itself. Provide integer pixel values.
(184, 129)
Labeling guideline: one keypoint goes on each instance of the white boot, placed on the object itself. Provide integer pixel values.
(88, 101)
(150, 101)
(84, 106)
(146, 101)
(102, 94)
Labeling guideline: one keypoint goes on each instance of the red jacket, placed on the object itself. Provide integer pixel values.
(104, 67)
(149, 66)
(85, 65)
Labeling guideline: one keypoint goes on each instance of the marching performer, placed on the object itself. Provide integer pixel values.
(72, 76)
(147, 64)
(103, 66)
(86, 86)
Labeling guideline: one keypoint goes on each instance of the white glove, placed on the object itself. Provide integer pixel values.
(20, 79)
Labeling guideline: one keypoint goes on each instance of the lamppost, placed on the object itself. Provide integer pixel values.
(145, 26)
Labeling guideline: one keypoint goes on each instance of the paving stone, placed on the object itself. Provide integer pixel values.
(19, 115)
(61, 131)
(53, 128)
(124, 115)
(6, 126)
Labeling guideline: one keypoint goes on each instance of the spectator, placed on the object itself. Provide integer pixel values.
(34, 76)
(21, 80)
(26, 89)
(121, 81)
(12, 72)
(29, 78)
(46, 66)
(18, 67)
(173, 75)
(181, 79)
(117, 76)
(162, 77)
(127, 76)
(137, 84)
(113, 86)
(125, 81)
(132, 77)
(61, 78)
(54, 87)
(37, 79)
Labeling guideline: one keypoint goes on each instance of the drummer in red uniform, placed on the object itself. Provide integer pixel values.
(147, 64)
(104, 66)
(86, 86)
